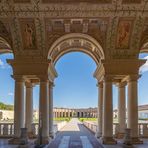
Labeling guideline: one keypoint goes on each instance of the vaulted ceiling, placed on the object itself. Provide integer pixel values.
(30, 27)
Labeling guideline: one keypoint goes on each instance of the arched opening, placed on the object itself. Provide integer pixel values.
(143, 102)
(7, 82)
(75, 86)
(6, 88)
(75, 43)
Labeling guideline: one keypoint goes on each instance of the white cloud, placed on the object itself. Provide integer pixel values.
(10, 94)
(1, 63)
(144, 68)
(4, 65)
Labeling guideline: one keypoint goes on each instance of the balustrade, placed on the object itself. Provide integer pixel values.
(143, 128)
(7, 129)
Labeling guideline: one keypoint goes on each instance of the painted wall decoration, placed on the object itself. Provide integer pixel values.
(28, 33)
(123, 33)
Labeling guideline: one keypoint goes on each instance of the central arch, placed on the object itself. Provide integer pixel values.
(76, 42)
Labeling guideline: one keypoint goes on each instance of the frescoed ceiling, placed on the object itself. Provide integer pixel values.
(30, 27)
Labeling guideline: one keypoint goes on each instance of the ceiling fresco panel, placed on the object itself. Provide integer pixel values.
(124, 31)
(28, 33)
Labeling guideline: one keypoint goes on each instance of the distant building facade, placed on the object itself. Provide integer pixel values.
(78, 113)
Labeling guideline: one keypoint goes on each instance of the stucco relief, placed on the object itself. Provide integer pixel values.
(123, 34)
(28, 33)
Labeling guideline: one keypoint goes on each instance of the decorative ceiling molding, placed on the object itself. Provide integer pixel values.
(72, 10)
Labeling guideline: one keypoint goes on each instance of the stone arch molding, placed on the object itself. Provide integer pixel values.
(144, 48)
(4, 46)
(76, 42)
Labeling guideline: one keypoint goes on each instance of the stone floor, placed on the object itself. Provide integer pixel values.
(75, 135)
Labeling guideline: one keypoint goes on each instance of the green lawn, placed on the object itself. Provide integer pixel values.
(87, 119)
(62, 119)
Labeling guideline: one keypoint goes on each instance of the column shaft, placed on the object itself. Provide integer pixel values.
(19, 107)
(107, 132)
(132, 109)
(100, 110)
(29, 108)
(51, 130)
(121, 109)
(44, 111)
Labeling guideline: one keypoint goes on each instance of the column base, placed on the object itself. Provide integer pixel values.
(136, 140)
(108, 140)
(120, 135)
(42, 141)
(30, 135)
(18, 141)
(52, 135)
(98, 135)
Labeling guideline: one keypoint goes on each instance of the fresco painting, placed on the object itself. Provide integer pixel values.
(28, 33)
(123, 33)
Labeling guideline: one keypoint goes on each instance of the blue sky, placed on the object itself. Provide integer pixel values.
(75, 86)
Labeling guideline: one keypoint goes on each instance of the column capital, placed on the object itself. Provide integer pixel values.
(28, 84)
(18, 78)
(51, 84)
(121, 84)
(100, 84)
(132, 78)
(43, 78)
(108, 78)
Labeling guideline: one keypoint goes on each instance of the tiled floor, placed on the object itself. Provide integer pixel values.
(75, 135)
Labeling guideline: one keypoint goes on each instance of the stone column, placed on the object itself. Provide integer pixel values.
(100, 110)
(51, 130)
(69, 113)
(44, 112)
(19, 109)
(61, 112)
(29, 108)
(132, 108)
(121, 109)
(107, 132)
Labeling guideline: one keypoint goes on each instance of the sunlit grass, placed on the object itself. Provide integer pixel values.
(62, 119)
(87, 119)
